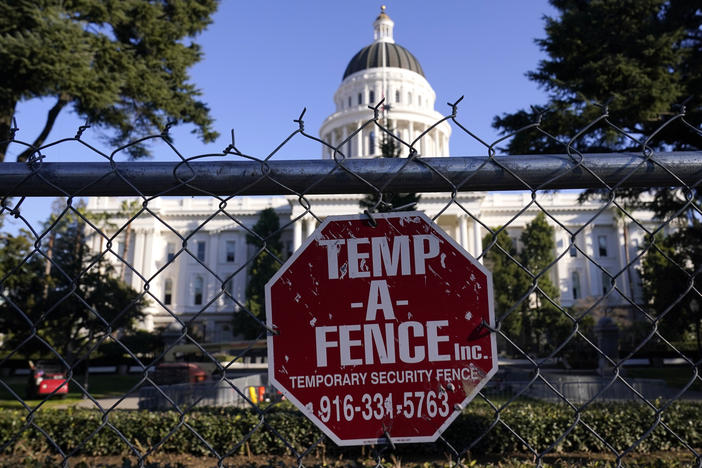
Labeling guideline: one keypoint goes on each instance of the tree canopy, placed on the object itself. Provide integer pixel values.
(70, 294)
(640, 57)
(122, 66)
(534, 323)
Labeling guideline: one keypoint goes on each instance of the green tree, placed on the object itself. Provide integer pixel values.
(536, 325)
(122, 66)
(75, 302)
(265, 237)
(668, 277)
(510, 282)
(384, 202)
(544, 324)
(643, 58)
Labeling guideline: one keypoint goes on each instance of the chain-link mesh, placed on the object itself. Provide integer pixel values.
(75, 290)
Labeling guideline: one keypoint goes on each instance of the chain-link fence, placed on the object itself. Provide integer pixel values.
(142, 290)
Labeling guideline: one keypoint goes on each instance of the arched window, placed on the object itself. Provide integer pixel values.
(371, 143)
(168, 292)
(575, 284)
(199, 286)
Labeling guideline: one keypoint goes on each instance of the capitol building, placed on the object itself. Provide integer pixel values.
(190, 284)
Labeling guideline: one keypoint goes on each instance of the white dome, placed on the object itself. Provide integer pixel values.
(384, 70)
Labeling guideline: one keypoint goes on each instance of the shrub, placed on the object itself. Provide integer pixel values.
(241, 431)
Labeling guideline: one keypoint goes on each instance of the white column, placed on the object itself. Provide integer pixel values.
(136, 260)
(422, 143)
(344, 135)
(588, 247)
(359, 142)
(310, 224)
(463, 231)
(477, 240)
(410, 132)
(297, 234)
(623, 281)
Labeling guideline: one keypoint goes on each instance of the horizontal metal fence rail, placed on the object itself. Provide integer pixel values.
(517, 172)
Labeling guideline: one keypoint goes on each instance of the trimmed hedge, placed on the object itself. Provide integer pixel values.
(539, 424)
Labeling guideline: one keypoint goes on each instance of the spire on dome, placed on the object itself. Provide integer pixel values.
(382, 27)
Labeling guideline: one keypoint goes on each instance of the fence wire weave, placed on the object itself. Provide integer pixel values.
(102, 239)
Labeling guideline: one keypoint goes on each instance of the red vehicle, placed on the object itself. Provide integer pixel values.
(46, 379)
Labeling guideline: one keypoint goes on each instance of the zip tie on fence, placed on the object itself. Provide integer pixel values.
(484, 324)
(371, 219)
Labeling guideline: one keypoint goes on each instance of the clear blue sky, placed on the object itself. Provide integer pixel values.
(264, 62)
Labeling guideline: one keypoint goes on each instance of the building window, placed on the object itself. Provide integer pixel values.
(170, 251)
(575, 284)
(419, 100)
(371, 143)
(602, 245)
(409, 98)
(360, 98)
(200, 247)
(198, 289)
(606, 282)
(397, 96)
(371, 97)
(349, 101)
(230, 247)
(168, 292)
(573, 251)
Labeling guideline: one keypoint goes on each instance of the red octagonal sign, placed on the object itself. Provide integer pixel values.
(380, 328)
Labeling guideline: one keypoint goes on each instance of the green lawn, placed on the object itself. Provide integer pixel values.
(100, 386)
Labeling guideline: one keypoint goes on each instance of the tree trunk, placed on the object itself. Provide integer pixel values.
(7, 111)
(50, 120)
